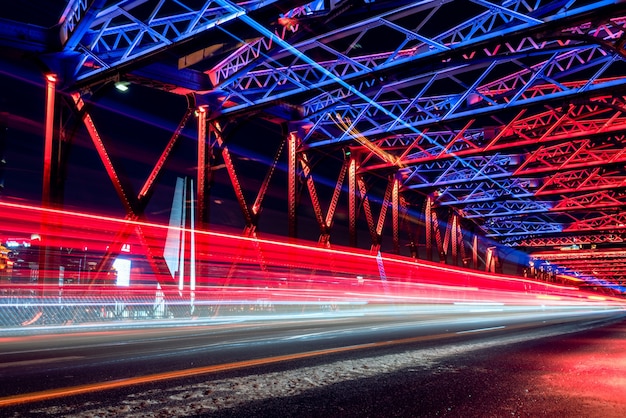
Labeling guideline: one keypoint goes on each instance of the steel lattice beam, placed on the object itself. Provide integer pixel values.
(467, 41)
(124, 32)
(602, 237)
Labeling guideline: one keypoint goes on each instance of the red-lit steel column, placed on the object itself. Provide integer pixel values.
(488, 259)
(203, 169)
(51, 81)
(395, 204)
(352, 201)
(492, 263)
(46, 194)
(292, 176)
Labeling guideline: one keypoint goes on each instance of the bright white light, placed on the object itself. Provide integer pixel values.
(122, 266)
(122, 86)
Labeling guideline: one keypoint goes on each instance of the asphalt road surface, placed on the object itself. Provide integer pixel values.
(478, 361)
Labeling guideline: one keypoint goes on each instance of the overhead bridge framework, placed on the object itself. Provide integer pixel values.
(453, 130)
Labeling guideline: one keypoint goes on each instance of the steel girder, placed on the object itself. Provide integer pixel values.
(563, 158)
(97, 41)
(504, 208)
(341, 57)
(601, 199)
(106, 35)
(562, 240)
(530, 225)
(539, 178)
(406, 114)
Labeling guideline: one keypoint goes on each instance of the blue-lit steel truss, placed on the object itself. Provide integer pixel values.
(509, 114)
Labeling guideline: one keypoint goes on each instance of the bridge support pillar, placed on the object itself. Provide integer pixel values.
(45, 272)
(51, 80)
(292, 184)
(395, 213)
(204, 169)
(352, 167)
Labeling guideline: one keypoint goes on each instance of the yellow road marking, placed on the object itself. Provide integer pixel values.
(120, 383)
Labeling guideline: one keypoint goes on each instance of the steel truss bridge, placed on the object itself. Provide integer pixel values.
(458, 130)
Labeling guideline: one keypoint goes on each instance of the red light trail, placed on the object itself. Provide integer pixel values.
(255, 274)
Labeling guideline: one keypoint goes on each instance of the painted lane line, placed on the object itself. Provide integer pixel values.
(480, 329)
(305, 336)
